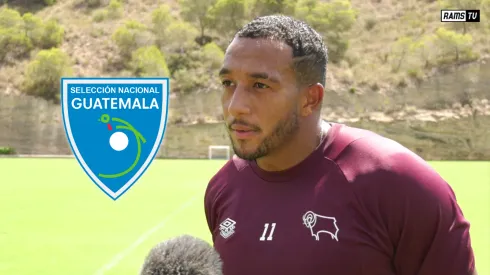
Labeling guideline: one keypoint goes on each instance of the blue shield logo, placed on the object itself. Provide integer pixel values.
(115, 127)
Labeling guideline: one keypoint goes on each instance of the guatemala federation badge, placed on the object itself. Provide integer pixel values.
(115, 127)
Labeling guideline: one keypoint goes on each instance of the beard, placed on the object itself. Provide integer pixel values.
(282, 133)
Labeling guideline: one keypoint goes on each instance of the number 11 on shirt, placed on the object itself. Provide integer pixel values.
(271, 233)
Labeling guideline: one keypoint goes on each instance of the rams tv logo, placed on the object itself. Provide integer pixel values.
(115, 127)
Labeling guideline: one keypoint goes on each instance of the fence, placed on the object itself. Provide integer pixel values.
(34, 126)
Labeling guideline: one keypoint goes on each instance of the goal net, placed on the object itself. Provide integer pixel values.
(219, 152)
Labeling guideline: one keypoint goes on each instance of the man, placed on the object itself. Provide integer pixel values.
(306, 197)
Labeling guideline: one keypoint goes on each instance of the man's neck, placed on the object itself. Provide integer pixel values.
(297, 149)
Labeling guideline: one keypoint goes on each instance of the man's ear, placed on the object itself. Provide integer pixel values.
(312, 99)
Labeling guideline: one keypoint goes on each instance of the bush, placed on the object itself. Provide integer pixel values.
(10, 19)
(115, 9)
(184, 84)
(52, 35)
(14, 42)
(179, 36)
(149, 62)
(100, 15)
(20, 34)
(130, 37)
(7, 151)
(43, 74)
(43, 35)
(213, 56)
(201, 64)
(33, 26)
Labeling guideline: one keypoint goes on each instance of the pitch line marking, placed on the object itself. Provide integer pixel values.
(121, 255)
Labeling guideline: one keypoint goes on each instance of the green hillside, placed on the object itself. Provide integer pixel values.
(390, 61)
(375, 46)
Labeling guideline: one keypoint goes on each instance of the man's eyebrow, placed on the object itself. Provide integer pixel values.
(258, 75)
(263, 76)
(224, 71)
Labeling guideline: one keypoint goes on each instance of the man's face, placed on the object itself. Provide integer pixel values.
(260, 97)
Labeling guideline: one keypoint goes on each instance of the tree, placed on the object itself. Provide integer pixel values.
(403, 46)
(267, 7)
(180, 47)
(161, 18)
(229, 15)
(304, 7)
(454, 47)
(333, 20)
(425, 49)
(179, 37)
(197, 13)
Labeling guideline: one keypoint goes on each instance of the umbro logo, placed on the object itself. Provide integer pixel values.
(227, 228)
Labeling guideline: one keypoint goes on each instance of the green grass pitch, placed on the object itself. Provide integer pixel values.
(54, 220)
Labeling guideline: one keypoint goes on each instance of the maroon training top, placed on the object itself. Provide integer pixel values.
(361, 204)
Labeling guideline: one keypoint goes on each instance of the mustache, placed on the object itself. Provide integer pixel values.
(242, 123)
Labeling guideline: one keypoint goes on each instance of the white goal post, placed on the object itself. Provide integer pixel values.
(218, 147)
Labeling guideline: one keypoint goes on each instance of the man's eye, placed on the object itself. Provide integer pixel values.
(226, 83)
(260, 85)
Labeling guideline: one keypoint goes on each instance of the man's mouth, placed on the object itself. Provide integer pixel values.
(241, 128)
(244, 134)
(242, 131)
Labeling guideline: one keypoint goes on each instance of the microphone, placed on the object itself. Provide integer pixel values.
(182, 255)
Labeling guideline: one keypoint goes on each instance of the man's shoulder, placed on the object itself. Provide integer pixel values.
(386, 176)
(365, 153)
(225, 174)
(348, 141)
(379, 165)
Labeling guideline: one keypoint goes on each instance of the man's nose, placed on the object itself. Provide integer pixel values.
(239, 103)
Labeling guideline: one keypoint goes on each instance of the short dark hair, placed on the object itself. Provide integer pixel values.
(310, 56)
